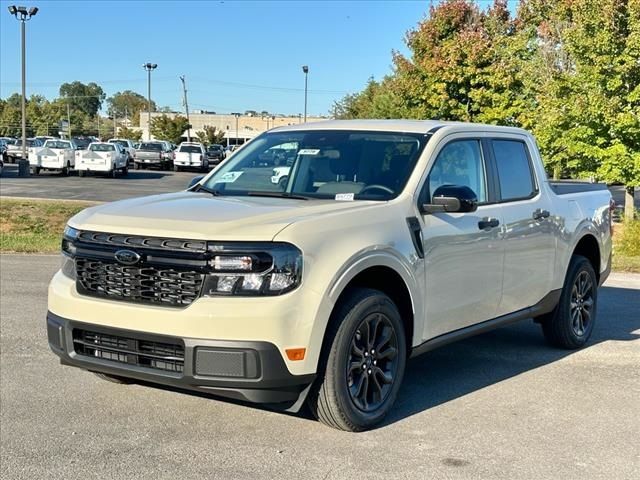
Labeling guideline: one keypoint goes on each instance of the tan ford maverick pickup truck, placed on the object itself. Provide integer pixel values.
(379, 240)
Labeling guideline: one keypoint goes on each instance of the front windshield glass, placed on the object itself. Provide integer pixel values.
(338, 164)
(101, 147)
(57, 144)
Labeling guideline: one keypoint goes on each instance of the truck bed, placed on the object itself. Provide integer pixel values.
(565, 187)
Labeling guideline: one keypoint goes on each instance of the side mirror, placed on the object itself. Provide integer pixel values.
(452, 199)
(195, 180)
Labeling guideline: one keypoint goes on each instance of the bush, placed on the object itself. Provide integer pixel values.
(628, 243)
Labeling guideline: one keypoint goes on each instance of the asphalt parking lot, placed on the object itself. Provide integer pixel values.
(502, 405)
(95, 188)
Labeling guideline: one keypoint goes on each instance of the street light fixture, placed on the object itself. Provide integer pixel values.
(305, 69)
(149, 67)
(23, 15)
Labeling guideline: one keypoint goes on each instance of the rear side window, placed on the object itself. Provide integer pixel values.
(515, 174)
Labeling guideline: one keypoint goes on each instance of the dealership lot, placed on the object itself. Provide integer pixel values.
(95, 188)
(501, 405)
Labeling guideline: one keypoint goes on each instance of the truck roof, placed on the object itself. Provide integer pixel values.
(413, 126)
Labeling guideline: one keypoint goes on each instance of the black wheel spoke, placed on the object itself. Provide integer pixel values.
(372, 362)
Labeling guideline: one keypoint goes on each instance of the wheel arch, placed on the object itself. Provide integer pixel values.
(589, 248)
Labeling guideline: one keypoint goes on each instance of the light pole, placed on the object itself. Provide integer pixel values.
(305, 69)
(22, 14)
(237, 115)
(149, 67)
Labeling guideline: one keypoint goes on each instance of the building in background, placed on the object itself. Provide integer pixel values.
(250, 124)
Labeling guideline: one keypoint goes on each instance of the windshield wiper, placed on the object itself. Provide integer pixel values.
(215, 193)
(278, 195)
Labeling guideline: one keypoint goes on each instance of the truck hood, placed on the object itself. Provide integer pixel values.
(201, 216)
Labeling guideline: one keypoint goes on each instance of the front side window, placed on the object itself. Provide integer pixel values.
(338, 164)
(514, 169)
(459, 163)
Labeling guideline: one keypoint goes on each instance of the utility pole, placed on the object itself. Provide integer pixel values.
(22, 15)
(237, 115)
(186, 107)
(115, 124)
(149, 67)
(69, 119)
(305, 70)
(99, 137)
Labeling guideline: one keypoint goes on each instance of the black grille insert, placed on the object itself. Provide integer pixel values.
(138, 283)
(119, 240)
(168, 357)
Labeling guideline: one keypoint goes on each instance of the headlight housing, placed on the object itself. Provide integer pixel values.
(252, 269)
(68, 248)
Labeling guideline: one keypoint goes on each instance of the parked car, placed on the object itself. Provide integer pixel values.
(152, 154)
(191, 155)
(103, 157)
(56, 155)
(14, 151)
(391, 238)
(128, 145)
(3, 150)
(82, 142)
(215, 154)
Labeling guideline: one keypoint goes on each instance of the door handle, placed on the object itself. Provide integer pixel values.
(540, 214)
(488, 222)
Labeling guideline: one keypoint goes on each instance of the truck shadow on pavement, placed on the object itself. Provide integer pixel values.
(11, 171)
(464, 367)
(478, 362)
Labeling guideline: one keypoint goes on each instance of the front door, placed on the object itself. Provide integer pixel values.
(463, 252)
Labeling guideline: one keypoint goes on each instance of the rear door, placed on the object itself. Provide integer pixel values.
(529, 238)
(463, 255)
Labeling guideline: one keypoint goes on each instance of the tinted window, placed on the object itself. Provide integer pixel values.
(338, 164)
(459, 163)
(153, 147)
(514, 169)
(101, 147)
(190, 149)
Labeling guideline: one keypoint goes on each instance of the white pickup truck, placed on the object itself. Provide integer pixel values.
(109, 158)
(191, 155)
(127, 145)
(59, 155)
(388, 239)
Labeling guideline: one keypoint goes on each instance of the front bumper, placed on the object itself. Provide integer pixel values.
(250, 371)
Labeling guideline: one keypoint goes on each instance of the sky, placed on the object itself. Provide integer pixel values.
(235, 55)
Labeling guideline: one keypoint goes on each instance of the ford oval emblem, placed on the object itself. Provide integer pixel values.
(127, 257)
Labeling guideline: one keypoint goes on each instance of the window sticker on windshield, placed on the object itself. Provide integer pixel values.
(309, 151)
(229, 177)
(345, 197)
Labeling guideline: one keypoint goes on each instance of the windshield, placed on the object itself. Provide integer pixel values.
(101, 147)
(215, 147)
(190, 149)
(56, 144)
(153, 147)
(120, 142)
(339, 164)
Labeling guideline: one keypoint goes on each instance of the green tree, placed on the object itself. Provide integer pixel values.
(130, 133)
(85, 98)
(167, 128)
(129, 104)
(210, 135)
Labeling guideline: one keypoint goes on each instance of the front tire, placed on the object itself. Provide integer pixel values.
(363, 362)
(571, 323)
(136, 166)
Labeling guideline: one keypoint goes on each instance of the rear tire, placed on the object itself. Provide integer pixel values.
(136, 166)
(113, 173)
(125, 171)
(362, 364)
(81, 173)
(176, 168)
(571, 323)
(66, 170)
(112, 378)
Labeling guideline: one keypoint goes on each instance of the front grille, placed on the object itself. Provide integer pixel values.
(118, 240)
(164, 286)
(168, 357)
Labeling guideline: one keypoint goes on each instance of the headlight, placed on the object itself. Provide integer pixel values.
(253, 269)
(68, 266)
